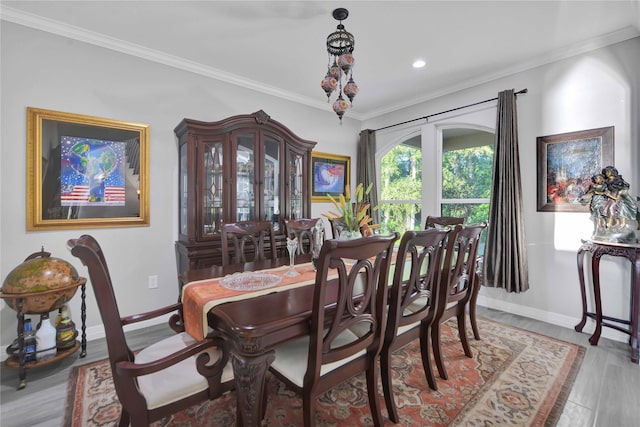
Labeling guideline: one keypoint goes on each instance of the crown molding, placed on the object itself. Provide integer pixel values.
(86, 36)
(76, 33)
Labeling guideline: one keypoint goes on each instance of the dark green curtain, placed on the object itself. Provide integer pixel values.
(366, 170)
(505, 256)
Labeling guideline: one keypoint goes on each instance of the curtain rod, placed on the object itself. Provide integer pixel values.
(525, 90)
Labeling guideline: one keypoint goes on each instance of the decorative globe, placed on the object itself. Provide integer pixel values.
(43, 285)
(340, 106)
(329, 84)
(346, 61)
(334, 71)
(351, 89)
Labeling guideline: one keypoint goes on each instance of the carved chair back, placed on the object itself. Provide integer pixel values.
(247, 241)
(302, 229)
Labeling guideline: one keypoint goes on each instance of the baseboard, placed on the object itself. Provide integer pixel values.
(549, 317)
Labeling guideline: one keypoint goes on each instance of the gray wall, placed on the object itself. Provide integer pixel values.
(52, 72)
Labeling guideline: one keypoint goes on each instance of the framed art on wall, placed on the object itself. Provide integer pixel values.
(330, 175)
(85, 171)
(566, 162)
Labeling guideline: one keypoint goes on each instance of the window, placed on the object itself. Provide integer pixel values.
(467, 163)
(401, 187)
(440, 168)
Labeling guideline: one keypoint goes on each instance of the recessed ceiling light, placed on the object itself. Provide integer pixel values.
(419, 63)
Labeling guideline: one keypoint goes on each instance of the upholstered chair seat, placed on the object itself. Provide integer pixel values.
(177, 381)
(291, 358)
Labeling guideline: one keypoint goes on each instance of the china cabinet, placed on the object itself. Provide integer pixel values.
(243, 168)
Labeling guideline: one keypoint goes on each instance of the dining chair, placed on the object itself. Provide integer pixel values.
(331, 353)
(167, 376)
(456, 287)
(337, 226)
(473, 302)
(247, 240)
(450, 221)
(443, 221)
(412, 303)
(302, 229)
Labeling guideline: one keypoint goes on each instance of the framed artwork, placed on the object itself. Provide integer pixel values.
(85, 172)
(566, 163)
(330, 175)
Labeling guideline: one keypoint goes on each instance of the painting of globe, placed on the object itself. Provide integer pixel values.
(92, 172)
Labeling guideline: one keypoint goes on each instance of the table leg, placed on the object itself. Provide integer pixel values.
(595, 270)
(472, 308)
(249, 375)
(635, 306)
(583, 292)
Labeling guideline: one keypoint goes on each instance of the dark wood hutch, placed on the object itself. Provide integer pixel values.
(243, 168)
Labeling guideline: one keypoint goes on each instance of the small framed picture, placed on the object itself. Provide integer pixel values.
(566, 163)
(330, 175)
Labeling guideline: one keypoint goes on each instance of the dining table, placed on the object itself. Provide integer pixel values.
(253, 322)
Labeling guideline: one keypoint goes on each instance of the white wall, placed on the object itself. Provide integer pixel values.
(592, 90)
(46, 71)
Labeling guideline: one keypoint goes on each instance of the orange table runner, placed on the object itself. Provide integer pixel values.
(199, 297)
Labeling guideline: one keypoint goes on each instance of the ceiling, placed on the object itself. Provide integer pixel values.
(278, 47)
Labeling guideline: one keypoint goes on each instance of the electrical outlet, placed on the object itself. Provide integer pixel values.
(153, 282)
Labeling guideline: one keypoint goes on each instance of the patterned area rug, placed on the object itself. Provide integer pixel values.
(515, 377)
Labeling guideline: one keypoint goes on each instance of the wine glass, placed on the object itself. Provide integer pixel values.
(292, 247)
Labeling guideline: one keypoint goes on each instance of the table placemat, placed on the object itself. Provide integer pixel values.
(199, 297)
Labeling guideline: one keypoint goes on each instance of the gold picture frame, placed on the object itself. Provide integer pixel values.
(330, 174)
(85, 172)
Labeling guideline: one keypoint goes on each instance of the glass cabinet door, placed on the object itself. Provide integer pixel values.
(271, 189)
(183, 184)
(245, 177)
(295, 185)
(212, 191)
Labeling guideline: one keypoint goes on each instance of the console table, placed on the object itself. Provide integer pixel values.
(597, 249)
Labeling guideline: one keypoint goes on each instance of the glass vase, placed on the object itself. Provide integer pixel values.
(292, 247)
(349, 235)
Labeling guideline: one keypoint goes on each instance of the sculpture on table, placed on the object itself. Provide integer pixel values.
(613, 209)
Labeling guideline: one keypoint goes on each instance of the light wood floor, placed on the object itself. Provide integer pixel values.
(605, 393)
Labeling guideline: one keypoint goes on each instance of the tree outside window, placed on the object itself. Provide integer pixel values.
(466, 182)
(466, 167)
(401, 188)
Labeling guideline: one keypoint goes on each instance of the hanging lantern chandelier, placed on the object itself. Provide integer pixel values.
(339, 76)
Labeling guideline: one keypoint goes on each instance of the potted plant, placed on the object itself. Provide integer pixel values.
(353, 212)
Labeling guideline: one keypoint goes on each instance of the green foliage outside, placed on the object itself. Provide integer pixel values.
(401, 179)
(466, 173)
(475, 213)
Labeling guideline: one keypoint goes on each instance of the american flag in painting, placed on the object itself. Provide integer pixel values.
(80, 195)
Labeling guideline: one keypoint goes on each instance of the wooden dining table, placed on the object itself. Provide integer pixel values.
(255, 325)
